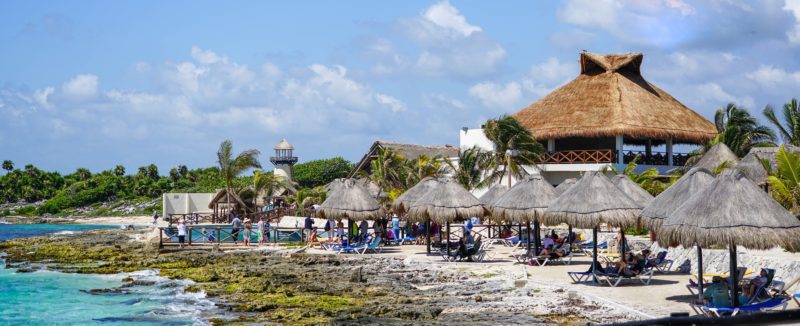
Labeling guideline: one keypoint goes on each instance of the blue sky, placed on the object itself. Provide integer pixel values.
(99, 83)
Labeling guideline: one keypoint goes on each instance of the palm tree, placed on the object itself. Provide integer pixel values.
(785, 183)
(468, 170)
(421, 168)
(119, 170)
(387, 169)
(269, 182)
(83, 174)
(647, 179)
(790, 128)
(306, 197)
(231, 167)
(741, 131)
(8, 165)
(514, 147)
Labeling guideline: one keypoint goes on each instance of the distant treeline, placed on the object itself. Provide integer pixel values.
(84, 188)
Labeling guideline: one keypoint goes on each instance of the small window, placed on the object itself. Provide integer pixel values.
(176, 197)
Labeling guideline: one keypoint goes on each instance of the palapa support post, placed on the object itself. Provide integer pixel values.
(519, 232)
(622, 243)
(349, 232)
(594, 254)
(699, 273)
(160, 238)
(537, 237)
(528, 230)
(734, 284)
(448, 239)
(428, 235)
(569, 237)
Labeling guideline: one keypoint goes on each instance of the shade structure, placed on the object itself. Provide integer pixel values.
(565, 185)
(753, 169)
(610, 97)
(413, 194)
(715, 156)
(731, 210)
(446, 202)
(526, 201)
(493, 194)
(593, 200)
(632, 189)
(347, 200)
(687, 187)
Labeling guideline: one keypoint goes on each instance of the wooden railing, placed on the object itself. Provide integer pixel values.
(579, 157)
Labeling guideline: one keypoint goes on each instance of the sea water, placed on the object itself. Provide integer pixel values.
(53, 298)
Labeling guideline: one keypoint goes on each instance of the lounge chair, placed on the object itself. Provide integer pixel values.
(566, 259)
(796, 298)
(660, 262)
(693, 285)
(522, 255)
(770, 304)
(601, 248)
(578, 277)
(613, 278)
(408, 238)
(373, 244)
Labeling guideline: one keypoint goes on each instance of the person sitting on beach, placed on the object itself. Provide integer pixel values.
(377, 227)
(506, 232)
(621, 242)
(236, 223)
(339, 231)
(548, 242)
(462, 248)
(181, 233)
(717, 294)
(363, 230)
(750, 288)
(551, 253)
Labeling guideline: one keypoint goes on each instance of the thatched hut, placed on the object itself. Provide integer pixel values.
(403, 202)
(609, 105)
(446, 202)
(493, 194)
(752, 167)
(592, 201)
(526, 201)
(633, 190)
(348, 200)
(716, 155)
(673, 197)
(565, 185)
(731, 211)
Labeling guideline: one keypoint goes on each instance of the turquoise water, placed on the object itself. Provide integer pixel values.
(11, 231)
(54, 298)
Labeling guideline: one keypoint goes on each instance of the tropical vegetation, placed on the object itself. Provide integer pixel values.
(514, 148)
(784, 182)
(740, 131)
(789, 128)
(647, 179)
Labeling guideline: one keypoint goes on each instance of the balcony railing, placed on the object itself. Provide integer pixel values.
(609, 156)
(579, 157)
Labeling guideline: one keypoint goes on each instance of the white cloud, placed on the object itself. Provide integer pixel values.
(393, 103)
(793, 6)
(773, 77)
(42, 96)
(81, 87)
(337, 88)
(448, 18)
(714, 94)
(495, 96)
(207, 57)
(439, 101)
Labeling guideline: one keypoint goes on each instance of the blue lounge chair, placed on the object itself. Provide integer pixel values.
(409, 238)
(660, 262)
(796, 298)
(770, 304)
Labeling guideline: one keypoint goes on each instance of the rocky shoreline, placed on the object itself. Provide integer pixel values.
(288, 286)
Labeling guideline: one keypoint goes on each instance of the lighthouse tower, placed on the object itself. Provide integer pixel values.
(284, 159)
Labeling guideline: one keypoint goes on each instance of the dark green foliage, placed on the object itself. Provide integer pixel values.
(319, 172)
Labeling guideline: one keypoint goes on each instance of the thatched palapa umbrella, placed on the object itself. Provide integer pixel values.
(593, 200)
(493, 194)
(446, 202)
(716, 155)
(347, 200)
(404, 202)
(526, 201)
(565, 185)
(633, 190)
(731, 211)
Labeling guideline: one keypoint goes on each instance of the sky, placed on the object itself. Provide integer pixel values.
(98, 83)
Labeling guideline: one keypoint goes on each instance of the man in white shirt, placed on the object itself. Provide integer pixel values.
(181, 233)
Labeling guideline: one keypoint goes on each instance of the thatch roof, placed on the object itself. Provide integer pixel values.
(673, 197)
(525, 201)
(493, 194)
(593, 200)
(633, 190)
(751, 165)
(413, 194)
(731, 211)
(222, 198)
(610, 97)
(447, 201)
(408, 151)
(565, 185)
(715, 156)
(347, 200)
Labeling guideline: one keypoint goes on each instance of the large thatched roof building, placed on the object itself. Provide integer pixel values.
(408, 151)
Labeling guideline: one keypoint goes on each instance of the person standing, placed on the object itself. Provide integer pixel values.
(181, 233)
(155, 217)
(396, 227)
(248, 227)
(308, 227)
(364, 229)
(261, 234)
(237, 226)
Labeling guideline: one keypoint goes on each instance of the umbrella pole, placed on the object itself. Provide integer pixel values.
(700, 273)
(448, 239)
(569, 236)
(537, 237)
(622, 244)
(349, 232)
(528, 230)
(734, 284)
(594, 253)
(519, 232)
(428, 234)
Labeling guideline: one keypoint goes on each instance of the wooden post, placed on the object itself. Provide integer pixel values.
(160, 238)
(594, 253)
(189, 234)
(734, 284)
(699, 274)
(448, 239)
(428, 234)
(536, 237)
(529, 236)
